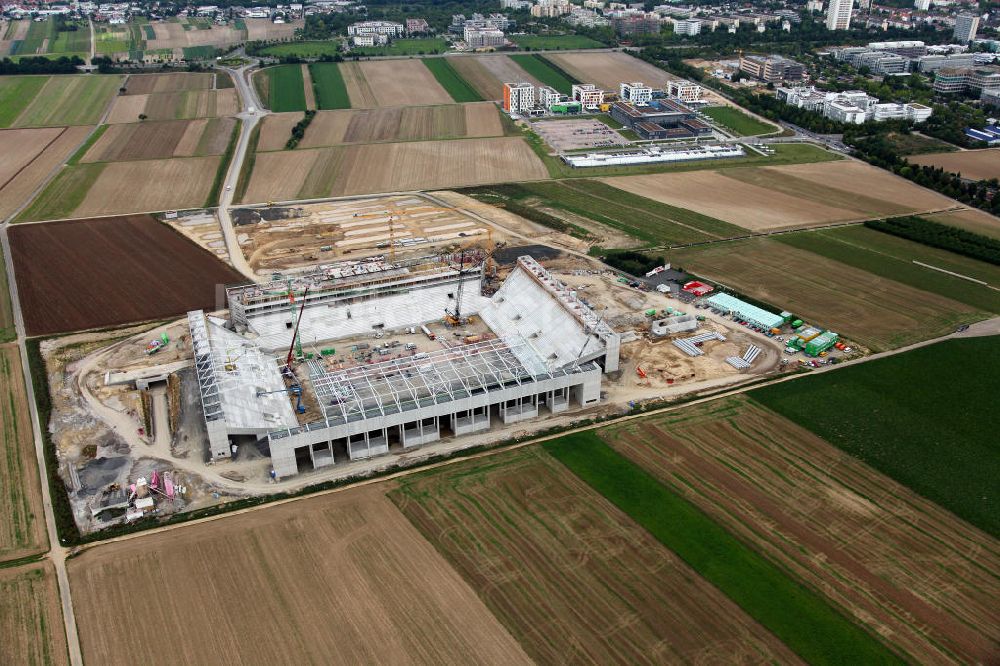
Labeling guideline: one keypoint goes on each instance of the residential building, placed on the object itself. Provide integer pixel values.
(370, 39)
(949, 81)
(635, 92)
(691, 26)
(814, 6)
(853, 106)
(685, 91)
(922, 5)
(516, 5)
(548, 96)
(772, 69)
(586, 18)
(907, 49)
(636, 24)
(966, 26)
(385, 28)
(416, 26)
(990, 97)
(518, 97)
(477, 38)
(551, 8)
(838, 14)
(932, 63)
(589, 95)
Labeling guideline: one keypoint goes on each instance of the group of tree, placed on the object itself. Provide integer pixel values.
(632, 262)
(941, 236)
(41, 65)
(299, 130)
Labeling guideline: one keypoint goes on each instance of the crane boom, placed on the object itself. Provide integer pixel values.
(295, 333)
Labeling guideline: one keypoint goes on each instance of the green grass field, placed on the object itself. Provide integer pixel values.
(71, 41)
(64, 194)
(286, 89)
(38, 32)
(7, 330)
(70, 100)
(16, 92)
(452, 81)
(307, 49)
(648, 221)
(737, 121)
(398, 47)
(914, 144)
(927, 418)
(542, 69)
(892, 257)
(200, 52)
(328, 82)
(797, 616)
(555, 42)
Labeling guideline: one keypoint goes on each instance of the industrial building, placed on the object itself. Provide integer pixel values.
(743, 311)
(655, 154)
(545, 353)
(772, 69)
(660, 119)
(852, 106)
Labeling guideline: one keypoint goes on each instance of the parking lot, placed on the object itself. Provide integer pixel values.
(577, 134)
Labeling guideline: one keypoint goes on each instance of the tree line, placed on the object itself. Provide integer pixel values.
(941, 236)
(299, 131)
(41, 65)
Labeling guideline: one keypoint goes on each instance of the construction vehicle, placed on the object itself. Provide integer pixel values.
(639, 371)
(157, 344)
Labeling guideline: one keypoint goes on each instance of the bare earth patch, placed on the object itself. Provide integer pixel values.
(607, 70)
(974, 164)
(403, 83)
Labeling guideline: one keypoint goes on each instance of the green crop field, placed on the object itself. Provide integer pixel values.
(38, 32)
(555, 42)
(70, 100)
(286, 89)
(420, 46)
(71, 41)
(64, 194)
(452, 81)
(927, 418)
(738, 122)
(650, 222)
(914, 144)
(544, 71)
(892, 257)
(7, 330)
(16, 92)
(328, 82)
(308, 49)
(200, 52)
(797, 616)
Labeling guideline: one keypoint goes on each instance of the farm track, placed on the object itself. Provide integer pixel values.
(909, 570)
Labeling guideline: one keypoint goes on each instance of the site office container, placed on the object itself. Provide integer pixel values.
(821, 343)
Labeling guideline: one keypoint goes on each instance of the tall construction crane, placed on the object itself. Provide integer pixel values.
(454, 318)
(296, 342)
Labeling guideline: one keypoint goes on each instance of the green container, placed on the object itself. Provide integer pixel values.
(651, 312)
(327, 352)
(796, 323)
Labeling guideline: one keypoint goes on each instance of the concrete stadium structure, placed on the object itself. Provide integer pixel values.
(548, 354)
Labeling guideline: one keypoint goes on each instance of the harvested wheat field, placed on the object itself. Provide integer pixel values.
(607, 70)
(571, 576)
(260, 29)
(390, 167)
(31, 623)
(150, 185)
(970, 219)
(972, 164)
(411, 123)
(178, 105)
(22, 530)
(361, 94)
(143, 84)
(399, 83)
(496, 70)
(877, 312)
(910, 571)
(19, 185)
(276, 129)
(162, 139)
(171, 35)
(21, 146)
(340, 579)
(787, 197)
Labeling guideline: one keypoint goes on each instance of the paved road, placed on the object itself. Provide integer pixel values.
(93, 43)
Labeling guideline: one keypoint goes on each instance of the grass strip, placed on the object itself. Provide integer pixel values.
(87, 145)
(737, 121)
(220, 174)
(545, 71)
(328, 86)
(64, 194)
(796, 615)
(246, 170)
(452, 81)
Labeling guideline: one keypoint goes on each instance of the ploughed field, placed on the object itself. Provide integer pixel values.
(109, 271)
(161, 140)
(339, 579)
(911, 572)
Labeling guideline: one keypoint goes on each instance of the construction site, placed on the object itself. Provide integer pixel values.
(357, 352)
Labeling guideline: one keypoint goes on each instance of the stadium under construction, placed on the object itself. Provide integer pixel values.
(272, 373)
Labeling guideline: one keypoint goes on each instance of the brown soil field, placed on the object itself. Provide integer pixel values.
(31, 623)
(970, 219)
(340, 579)
(161, 139)
(142, 84)
(573, 578)
(974, 164)
(358, 90)
(788, 197)
(607, 70)
(22, 530)
(20, 147)
(149, 185)
(412, 123)
(498, 70)
(877, 312)
(402, 83)
(267, 30)
(122, 269)
(173, 35)
(307, 84)
(478, 76)
(22, 185)
(391, 167)
(914, 574)
(178, 105)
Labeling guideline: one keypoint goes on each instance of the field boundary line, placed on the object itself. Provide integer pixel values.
(32, 161)
(952, 273)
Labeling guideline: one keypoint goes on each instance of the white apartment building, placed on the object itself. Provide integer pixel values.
(966, 26)
(588, 95)
(635, 92)
(548, 96)
(689, 26)
(370, 39)
(853, 106)
(551, 8)
(838, 14)
(518, 97)
(918, 113)
(685, 91)
(387, 28)
(922, 5)
(476, 38)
